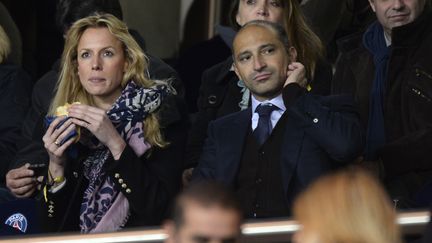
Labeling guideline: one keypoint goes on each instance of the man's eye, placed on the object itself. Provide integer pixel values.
(244, 58)
(268, 51)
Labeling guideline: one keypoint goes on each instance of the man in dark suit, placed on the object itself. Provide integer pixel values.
(287, 138)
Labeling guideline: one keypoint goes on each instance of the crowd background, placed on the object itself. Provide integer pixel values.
(197, 39)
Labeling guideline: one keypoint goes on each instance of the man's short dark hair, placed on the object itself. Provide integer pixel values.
(69, 11)
(276, 28)
(207, 194)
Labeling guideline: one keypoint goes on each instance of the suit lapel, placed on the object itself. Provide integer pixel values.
(233, 136)
(291, 148)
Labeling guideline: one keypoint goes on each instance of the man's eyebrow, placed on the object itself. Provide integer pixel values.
(243, 53)
(267, 45)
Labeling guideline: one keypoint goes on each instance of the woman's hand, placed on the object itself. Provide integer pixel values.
(53, 138)
(97, 122)
(52, 141)
(296, 74)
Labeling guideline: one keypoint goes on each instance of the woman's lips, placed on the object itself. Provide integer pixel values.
(96, 79)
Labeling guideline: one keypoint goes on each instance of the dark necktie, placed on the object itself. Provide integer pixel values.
(263, 130)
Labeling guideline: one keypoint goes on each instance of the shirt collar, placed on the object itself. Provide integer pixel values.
(277, 101)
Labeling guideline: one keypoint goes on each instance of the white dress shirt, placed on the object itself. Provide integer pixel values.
(275, 115)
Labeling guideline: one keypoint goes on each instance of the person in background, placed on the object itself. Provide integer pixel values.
(390, 76)
(221, 91)
(123, 170)
(347, 206)
(21, 181)
(205, 212)
(9, 26)
(15, 89)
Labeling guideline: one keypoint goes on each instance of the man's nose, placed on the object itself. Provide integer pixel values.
(398, 4)
(259, 63)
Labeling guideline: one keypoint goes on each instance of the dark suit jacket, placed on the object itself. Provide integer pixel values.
(319, 130)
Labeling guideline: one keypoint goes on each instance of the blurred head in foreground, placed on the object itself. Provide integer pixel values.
(205, 212)
(349, 206)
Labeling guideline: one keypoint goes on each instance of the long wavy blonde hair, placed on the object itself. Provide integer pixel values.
(5, 47)
(69, 88)
(308, 45)
(349, 206)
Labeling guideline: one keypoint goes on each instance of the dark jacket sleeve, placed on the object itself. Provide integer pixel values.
(15, 90)
(205, 169)
(31, 148)
(332, 122)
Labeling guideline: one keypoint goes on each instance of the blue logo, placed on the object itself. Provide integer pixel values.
(17, 221)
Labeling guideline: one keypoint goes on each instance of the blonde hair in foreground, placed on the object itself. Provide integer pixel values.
(5, 47)
(69, 88)
(349, 206)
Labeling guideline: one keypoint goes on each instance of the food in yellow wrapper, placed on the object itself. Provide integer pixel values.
(62, 111)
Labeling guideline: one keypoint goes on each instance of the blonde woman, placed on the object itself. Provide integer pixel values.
(121, 172)
(346, 207)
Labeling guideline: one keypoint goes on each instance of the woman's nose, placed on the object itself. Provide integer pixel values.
(96, 65)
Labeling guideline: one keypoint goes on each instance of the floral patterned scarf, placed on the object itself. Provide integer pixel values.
(104, 208)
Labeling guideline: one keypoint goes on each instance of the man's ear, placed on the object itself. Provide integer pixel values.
(292, 53)
(236, 71)
(238, 20)
(371, 3)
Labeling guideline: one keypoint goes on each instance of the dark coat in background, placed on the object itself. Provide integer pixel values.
(15, 90)
(407, 104)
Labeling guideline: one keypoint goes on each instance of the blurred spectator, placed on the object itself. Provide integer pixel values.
(389, 73)
(336, 19)
(9, 26)
(205, 212)
(15, 90)
(347, 206)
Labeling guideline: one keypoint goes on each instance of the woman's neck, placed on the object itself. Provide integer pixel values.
(106, 102)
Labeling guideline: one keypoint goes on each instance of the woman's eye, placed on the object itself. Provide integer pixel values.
(250, 2)
(108, 53)
(85, 55)
(275, 3)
